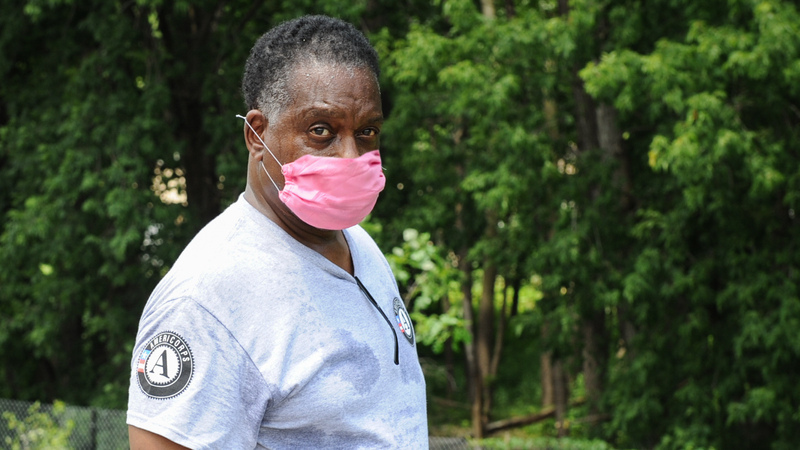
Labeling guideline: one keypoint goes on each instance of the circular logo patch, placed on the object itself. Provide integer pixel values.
(165, 366)
(403, 320)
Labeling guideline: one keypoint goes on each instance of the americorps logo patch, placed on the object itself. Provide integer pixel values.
(403, 320)
(165, 366)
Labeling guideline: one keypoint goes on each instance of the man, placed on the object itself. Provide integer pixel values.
(280, 325)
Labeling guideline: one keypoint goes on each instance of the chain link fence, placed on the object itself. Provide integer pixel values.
(32, 425)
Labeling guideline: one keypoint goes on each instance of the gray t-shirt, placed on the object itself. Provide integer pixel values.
(253, 340)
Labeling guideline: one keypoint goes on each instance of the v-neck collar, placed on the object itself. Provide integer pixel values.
(293, 245)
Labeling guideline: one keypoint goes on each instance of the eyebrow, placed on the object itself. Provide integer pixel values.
(315, 112)
(376, 120)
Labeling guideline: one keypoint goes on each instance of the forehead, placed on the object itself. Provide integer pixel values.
(335, 89)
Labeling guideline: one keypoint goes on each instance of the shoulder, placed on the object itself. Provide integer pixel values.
(239, 243)
(185, 368)
(363, 243)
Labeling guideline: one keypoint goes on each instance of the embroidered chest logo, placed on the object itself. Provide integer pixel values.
(403, 321)
(165, 366)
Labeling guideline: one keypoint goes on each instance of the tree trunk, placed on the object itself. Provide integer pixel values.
(187, 109)
(485, 326)
(550, 110)
(485, 337)
(511, 10)
(627, 332)
(545, 413)
(500, 335)
(609, 138)
(592, 332)
(473, 373)
(515, 285)
(449, 355)
(560, 396)
(596, 130)
(487, 9)
(585, 121)
(546, 371)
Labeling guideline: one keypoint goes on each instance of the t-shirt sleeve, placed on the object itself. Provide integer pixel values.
(192, 382)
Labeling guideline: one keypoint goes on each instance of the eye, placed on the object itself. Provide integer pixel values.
(369, 132)
(320, 131)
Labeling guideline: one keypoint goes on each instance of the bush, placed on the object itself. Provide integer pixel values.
(40, 429)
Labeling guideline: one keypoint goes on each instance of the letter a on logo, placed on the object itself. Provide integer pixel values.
(162, 362)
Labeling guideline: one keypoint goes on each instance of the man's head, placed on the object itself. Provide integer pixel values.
(306, 40)
(311, 87)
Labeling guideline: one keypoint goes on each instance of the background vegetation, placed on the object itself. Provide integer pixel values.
(591, 204)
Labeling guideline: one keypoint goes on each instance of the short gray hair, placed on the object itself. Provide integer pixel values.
(306, 39)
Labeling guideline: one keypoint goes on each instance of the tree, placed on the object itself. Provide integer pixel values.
(712, 284)
(665, 190)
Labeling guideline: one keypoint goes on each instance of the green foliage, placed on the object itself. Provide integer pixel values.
(79, 146)
(428, 277)
(713, 283)
(691, 269)
(544, 443)
(39, 429)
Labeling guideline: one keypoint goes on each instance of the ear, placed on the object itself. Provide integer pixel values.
(259, 123)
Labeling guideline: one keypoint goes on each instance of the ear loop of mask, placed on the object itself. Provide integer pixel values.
(265, 146)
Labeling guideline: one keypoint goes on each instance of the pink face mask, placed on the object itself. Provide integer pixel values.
(329, 193)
